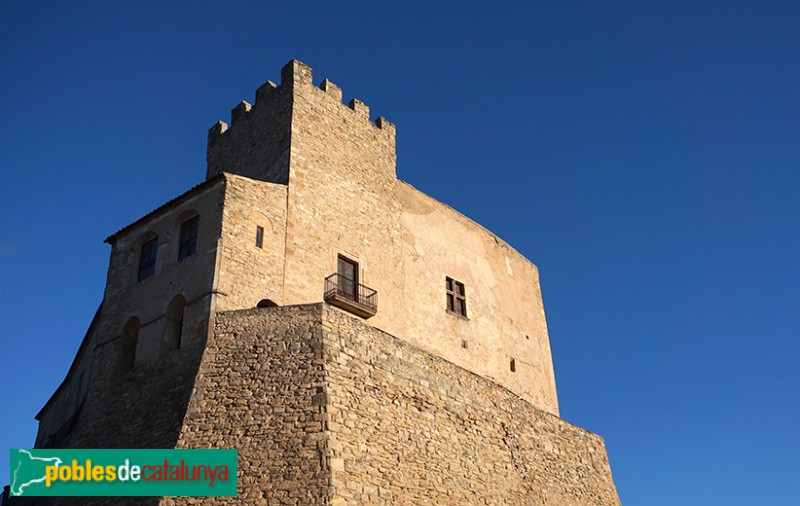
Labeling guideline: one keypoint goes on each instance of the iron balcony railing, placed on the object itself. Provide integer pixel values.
(338, 286)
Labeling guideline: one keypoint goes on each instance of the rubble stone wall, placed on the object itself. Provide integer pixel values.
(326, 409)
(408, 427)
(260, 389)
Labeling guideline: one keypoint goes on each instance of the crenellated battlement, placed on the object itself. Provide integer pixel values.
(296, 75)
(334, 90)
(255, 142)
(240, 110)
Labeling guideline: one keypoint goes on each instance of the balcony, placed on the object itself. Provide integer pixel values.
(345, 294)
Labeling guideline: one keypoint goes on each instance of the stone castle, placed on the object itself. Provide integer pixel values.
(356, 340)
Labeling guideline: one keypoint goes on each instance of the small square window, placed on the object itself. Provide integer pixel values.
(147, 259)
(456, 297)
(259, 237)
(464, 344)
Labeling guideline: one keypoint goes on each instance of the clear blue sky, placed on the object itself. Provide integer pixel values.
(643, 154)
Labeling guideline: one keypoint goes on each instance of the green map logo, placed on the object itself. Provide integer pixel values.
(24, 474)
(207, 472)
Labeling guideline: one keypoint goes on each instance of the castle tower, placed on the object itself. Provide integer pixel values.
(358, 341)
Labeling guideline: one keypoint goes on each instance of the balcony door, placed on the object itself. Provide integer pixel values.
(347, 279)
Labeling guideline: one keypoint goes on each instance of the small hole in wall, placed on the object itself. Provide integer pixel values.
(464, 344)
(526, 337)
(513, 365)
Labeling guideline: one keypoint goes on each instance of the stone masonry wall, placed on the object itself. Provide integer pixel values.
(257, 142)
(505, 314)
(121, 404)
(260, 389)
(326, 409)
(193, 277)
(142, 408)
(247, 273)
(407, 427)
(343, 198)
(60, 411)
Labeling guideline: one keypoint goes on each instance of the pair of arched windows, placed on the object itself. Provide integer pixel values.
(173, 332)
(187, 246)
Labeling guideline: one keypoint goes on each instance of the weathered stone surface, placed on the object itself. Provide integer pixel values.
(344, 198)
(258, 390)
(417, 405)
(413, 428)
(326, 409)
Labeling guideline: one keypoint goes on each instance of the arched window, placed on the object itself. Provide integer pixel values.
(130, 336)
(187, 243)
(147, 259)
(148, 250)
(174, 317)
